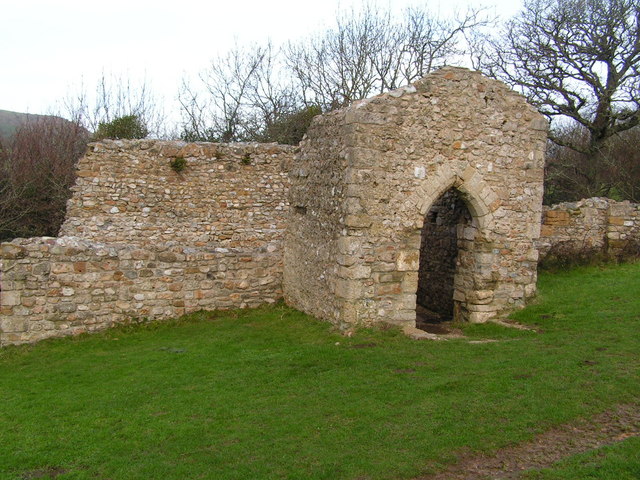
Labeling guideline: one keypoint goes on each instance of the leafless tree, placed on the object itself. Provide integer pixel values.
(237, 96)
(272, 96)
(433, 42)
(220, 114)
(571, 175)
(116, 97)
(369, 52)
(261, 92)
(575, 59)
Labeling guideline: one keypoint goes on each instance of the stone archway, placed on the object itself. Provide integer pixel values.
(446, 253)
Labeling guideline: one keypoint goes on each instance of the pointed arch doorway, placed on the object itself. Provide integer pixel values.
(446, 259)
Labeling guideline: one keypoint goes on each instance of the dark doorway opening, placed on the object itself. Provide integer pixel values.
(442, 239)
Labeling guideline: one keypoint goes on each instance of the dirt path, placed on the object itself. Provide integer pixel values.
(549, 447)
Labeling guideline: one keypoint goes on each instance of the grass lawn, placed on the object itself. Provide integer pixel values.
(273, 393)
(617, 462)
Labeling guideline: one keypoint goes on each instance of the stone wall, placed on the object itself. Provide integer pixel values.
(317, 199)
(209, 236)
(593, 226)
(62, 286)
(228, 195)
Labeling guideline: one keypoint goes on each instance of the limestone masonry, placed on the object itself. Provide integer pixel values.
(424, 202)
(228, 195)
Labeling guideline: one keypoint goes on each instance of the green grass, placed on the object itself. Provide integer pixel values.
(273, 393)
(616, 462)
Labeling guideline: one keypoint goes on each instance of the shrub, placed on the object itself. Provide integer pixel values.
(127, 127)
(37, 169)
(289, 129)
(178, 164)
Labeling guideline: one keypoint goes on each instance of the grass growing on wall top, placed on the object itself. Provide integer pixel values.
(273, 393)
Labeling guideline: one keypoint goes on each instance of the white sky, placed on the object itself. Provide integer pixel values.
(49, 48)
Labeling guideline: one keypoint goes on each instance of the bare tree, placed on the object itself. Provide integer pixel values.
(273, 98)
(575, 59)
(433, 42)
(571, 175)
(222, 114)
(238, 96)
(116, 97)
(265, 94)
(370, 52)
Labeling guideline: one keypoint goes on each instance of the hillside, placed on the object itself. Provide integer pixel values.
(10, 121)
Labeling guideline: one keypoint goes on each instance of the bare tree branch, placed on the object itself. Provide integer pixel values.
(577, 59)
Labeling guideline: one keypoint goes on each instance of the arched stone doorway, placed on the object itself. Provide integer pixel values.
(446, 255)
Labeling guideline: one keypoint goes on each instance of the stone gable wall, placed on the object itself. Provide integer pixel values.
(402, 151)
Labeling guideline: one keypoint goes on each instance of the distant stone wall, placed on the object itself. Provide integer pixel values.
(63, 286)
(228, 195)
(593, 226)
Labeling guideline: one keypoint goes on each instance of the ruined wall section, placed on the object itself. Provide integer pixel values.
(590, 227)
(142, 240)
(227, 195)
(623, 230)
(316, 218)
(63, 286)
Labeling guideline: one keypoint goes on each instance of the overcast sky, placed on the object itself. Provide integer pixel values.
(48, 48)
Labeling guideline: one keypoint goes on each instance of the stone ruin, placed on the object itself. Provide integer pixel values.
(424, 201)
(428, 197)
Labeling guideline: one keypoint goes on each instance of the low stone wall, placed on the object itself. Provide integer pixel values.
(593, 226)
(224, 213)
(62, 286)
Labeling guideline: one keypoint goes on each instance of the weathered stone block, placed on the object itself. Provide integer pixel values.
(347, 289)
(357, 221)
(408, 261)
(66, 307)
(388, 289)
(354, 272)
(13, 325)
(11, 251)
(9, 298)
(557, 217)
